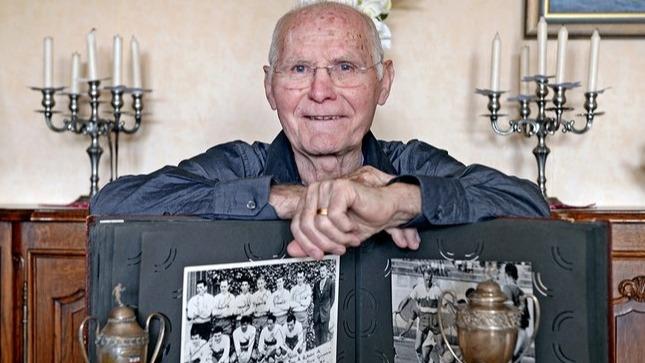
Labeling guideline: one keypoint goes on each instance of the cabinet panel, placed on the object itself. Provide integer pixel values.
(56, 304)
(6, 295)
(628, 236)
(630, 330)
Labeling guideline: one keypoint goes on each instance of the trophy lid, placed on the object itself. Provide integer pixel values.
(488, 293)
(122, 313)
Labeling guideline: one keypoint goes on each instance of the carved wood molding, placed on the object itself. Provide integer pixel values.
(633, 289)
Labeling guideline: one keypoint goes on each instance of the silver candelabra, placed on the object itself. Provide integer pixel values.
(95, 126)
(548, 120)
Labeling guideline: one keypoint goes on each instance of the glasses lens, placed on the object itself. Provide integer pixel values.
(344, 74)
(295, 75)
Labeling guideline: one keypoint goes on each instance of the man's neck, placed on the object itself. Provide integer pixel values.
(326, 167)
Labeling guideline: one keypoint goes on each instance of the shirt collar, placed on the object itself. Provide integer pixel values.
(281, 164)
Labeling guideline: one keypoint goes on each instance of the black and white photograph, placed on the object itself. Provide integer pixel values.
(417, 286)
(267, 311)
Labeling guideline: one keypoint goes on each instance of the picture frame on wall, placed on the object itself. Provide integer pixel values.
(613, 18)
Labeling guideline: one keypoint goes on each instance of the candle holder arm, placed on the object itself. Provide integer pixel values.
(590, 107)
(137, 114)
(493, 107)
(48, 102)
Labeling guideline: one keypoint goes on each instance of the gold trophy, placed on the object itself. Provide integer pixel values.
(487, 326)
(122, 340)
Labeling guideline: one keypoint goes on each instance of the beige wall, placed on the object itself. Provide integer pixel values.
(203, 59)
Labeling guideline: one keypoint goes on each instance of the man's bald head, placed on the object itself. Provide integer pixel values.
(302, 13)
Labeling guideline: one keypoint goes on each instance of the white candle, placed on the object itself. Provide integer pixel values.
(76, 68)
(524, 70)
(593, 61)
(91, 56)
(542, 38)
(48, 62)
(494, 65)
(116, 64)
(136, 63)
(563, 36)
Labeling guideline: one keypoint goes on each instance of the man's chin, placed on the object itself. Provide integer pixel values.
(324, 150)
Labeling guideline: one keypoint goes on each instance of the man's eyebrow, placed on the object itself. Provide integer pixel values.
(292, 60)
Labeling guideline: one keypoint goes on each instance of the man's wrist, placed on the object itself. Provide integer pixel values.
(407, 200)
(284, 199)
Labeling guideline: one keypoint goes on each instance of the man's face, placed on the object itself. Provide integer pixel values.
(217, 337)
(323, 119)
(244, 326)
(245, 287)
(201, 289)
(290, 325)
(223, 286)
(261, 284)
(323, 271)
(279, 283)
(300, 278)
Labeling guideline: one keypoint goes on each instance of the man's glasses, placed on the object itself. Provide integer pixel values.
(342, 74)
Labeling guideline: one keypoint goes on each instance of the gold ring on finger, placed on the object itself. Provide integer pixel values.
(321, 211)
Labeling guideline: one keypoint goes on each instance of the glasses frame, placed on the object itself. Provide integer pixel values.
(328, 68)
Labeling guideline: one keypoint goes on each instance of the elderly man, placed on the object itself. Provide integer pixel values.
(326, 171)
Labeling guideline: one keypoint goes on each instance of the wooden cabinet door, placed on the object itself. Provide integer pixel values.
(628, 300)
(55, 274)
(6, 295)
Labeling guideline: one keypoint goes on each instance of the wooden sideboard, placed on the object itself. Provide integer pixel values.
(627, 297)
(42, 284)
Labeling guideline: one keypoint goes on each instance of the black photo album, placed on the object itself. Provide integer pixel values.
(350, 308)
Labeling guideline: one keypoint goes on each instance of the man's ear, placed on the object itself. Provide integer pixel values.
(386, 82)
(268, 90)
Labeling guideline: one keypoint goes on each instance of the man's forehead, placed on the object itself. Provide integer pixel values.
(342, 32)
(326, 16)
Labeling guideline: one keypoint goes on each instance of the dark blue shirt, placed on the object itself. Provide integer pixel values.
(233, 180)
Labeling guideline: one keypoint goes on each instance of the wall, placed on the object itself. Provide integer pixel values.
(203, 60)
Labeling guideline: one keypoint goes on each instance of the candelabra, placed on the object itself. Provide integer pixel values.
(548, 120)
(95, 126)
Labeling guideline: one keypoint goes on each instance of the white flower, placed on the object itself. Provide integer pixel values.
(375, 8)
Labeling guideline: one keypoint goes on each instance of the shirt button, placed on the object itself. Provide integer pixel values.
(250, 204)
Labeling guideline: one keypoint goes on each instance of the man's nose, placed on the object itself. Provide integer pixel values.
(322, 87)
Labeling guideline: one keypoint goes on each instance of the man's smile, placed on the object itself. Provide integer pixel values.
(323, 117)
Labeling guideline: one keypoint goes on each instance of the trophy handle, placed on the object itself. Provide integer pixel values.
(81, 328)
(439, 314)
(536, 325)
(162, 330)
